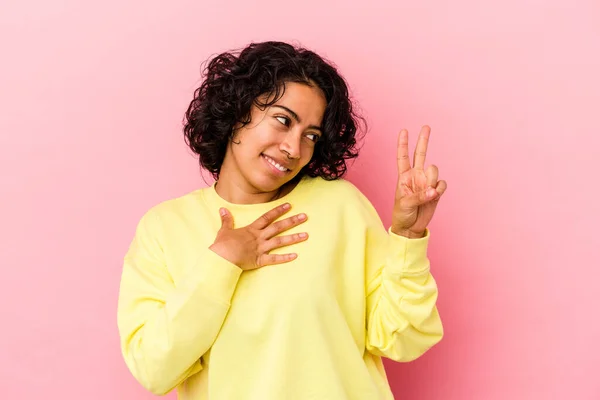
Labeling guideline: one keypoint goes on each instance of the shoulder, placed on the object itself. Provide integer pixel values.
(170, 209)
(340, 189)
(341, 194)
(334, 189)
(342, 202)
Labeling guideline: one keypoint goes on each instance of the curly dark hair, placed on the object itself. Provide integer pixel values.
(235, 80)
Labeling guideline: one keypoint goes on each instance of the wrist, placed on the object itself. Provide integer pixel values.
(407, 233)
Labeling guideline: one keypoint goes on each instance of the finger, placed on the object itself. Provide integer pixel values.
(432, 173)
(419, 198)
(283, 225)
(403, 158)
(441, 189)
(267, 218)
(226, 219)
(421, 149)
(272, 259)
(282, 241)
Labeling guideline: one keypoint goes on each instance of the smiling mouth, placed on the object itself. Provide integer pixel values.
(275, 164)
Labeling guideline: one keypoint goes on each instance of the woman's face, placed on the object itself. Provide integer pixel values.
(277, 143)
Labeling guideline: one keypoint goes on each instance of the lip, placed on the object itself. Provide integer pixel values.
(272, 167)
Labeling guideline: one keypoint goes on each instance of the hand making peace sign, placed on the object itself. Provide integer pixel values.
(418, 190)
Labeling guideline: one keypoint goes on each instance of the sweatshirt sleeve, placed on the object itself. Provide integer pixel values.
(165, 328)
(402, 317)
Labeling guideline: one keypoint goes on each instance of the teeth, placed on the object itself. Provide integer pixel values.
(275, 164)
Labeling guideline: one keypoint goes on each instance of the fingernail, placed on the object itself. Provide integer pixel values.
(303, 235)
(286, 206)
(223, 212)
(302, 216)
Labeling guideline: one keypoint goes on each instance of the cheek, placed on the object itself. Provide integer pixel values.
(245, 146)
(262, 139)
(307, 154)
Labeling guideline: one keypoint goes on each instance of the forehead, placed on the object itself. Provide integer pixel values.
(307, 101)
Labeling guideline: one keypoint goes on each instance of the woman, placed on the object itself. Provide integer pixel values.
(224, 295)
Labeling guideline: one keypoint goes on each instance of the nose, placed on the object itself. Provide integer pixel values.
(291, 145)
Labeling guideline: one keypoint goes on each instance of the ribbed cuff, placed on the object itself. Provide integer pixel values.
(407, 256)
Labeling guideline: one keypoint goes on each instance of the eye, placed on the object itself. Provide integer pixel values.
(284, 120)
(313, 136)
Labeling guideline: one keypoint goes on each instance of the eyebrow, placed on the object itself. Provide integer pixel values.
(297, 118)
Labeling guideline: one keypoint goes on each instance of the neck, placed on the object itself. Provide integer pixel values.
(236, 193)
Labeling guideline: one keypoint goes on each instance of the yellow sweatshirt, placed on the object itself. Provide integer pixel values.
(313, 328)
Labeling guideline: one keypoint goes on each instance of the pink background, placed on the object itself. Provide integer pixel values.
(90, 137)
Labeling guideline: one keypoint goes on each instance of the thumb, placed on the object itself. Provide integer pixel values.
(226, 219)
